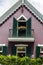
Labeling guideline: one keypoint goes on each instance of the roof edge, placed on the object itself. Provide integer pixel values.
(16, 6)
(10, 11)
(34, 11)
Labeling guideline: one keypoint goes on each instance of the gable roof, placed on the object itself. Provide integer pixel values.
(16, 6)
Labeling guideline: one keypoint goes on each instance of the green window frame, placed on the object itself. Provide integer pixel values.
(15, 28)
(41, 49)
(37, 51)
(28, 25)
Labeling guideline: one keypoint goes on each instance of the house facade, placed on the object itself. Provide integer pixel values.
(21, 31)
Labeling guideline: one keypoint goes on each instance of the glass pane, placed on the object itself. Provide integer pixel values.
(0, 48)
(21, 49)
(21, 54)
(22, 29)
(41, 49)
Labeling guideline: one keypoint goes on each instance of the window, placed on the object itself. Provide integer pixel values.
(21, 51)
(21, 27)
(41, 49)
(0, 49)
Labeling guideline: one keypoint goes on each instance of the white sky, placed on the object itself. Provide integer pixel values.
(6, 4)
(38, 4)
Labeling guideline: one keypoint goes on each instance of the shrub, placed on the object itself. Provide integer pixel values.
(2, 60)
(33, 62)
(15, 60)
(8, 60)
(24, 61)
(12, 60)
(41, 59)
(38, 61)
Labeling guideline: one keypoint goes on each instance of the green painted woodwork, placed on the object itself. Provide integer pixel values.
(13, 50)
(37, 51)
(28, 51)
(28, 24)
(4, 50)
(14, 32)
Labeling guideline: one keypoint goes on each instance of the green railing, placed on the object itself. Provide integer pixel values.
(11, 35)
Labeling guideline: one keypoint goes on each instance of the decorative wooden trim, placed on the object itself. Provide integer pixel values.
(21, 39)
(23, 45)
(22, 16)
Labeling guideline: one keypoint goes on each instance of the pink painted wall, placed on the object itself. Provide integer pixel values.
(36, 25)
(4, 29)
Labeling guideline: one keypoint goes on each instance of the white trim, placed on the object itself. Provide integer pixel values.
(2, 44)
(21, 51)
(17, 51)
(22, 16)
(23, 45)
(22, 1)
(0, 51)
(41, 51)
(21, 39)
(41, 45)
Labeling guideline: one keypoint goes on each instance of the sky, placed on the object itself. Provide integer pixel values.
(6, 4)
(38, 4)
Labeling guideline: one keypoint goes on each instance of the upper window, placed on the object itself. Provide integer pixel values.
(21, 27)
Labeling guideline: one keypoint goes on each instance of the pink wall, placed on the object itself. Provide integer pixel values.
(36, 25)
(38, 29)
(4, 29)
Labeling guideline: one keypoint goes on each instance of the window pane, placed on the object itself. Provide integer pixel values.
(41, 49)
(21, 48)
(21, 29)
(0, 48)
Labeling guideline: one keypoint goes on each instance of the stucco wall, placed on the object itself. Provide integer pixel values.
(36, 25)
(38, 29)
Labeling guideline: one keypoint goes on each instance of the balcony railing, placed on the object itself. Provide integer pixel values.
(11, 36)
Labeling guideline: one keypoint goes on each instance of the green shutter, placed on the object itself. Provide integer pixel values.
(14, 27)
(28, 51)
(4, 50)
(28, 24)
(13, 50)
(37, 51)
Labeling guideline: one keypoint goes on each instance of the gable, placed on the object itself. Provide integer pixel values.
(17, 6)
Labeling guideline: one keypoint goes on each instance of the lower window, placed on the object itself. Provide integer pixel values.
(0, 49)
(21, 51)
(41, 49)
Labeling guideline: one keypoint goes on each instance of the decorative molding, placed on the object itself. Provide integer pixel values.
(22, 1)
(2, 44)
(23, 45)
(21, 39)
(22, 16)
(41, 45)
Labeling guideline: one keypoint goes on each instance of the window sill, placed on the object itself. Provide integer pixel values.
(41, 52)
(0, 51)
